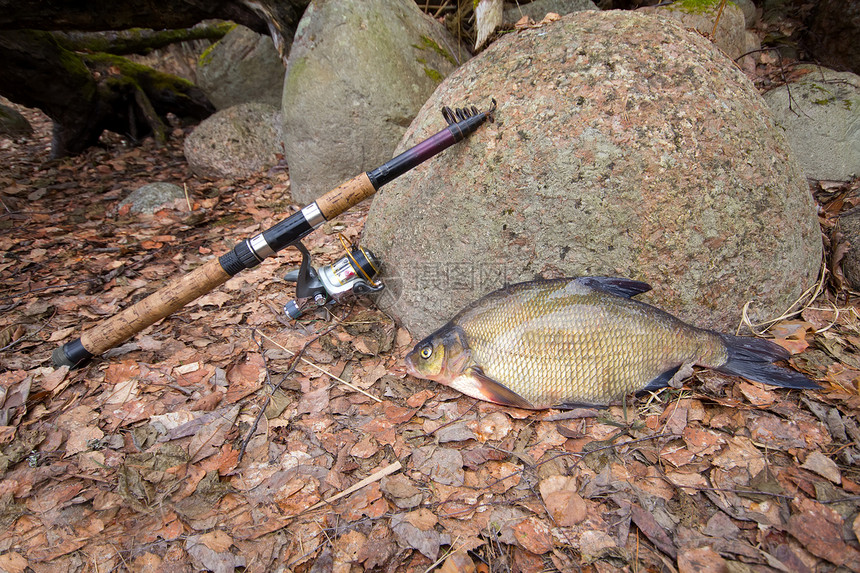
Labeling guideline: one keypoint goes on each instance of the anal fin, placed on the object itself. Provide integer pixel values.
(497, 393)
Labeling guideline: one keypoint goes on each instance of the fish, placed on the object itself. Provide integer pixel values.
(582, 341)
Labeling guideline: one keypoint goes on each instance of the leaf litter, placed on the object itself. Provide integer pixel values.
(227, 438)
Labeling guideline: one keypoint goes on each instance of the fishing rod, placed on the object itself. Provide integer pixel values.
(251, 252)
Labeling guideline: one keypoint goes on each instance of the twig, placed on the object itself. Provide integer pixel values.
(31, 334)
(717, 21)
(324, 371)
(354, 488)
(290, 368)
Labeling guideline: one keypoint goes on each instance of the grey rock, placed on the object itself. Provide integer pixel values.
(749, 10)
(12, 123)
(235, 142)
(358, 73)
(242, 67)
(539, 8)
(849, 227)
(624, 145)
(730, 35)
(822, 121)
(152, 197)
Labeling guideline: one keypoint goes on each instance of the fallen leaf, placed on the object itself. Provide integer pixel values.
(819, 529)
(822, 465)
(210, 437)
(443, 465)
(495, 426)
(701, 560)
(218, 540)
(423, 519)
(458, 562)
(411, 537)
(13, 562)
(562, 499)
(533, 535)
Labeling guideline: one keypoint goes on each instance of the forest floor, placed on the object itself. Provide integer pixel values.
(202, 444)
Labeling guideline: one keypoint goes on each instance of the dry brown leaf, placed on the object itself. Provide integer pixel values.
(13, 562)
(217, 540)
(701, 560)
(819, 528)
(822, 465)
(245, 378)
(533, 535)
(426, 541)
(495, 426)
(423, 519)
(562, 499)
(458, 562)
(210, 437)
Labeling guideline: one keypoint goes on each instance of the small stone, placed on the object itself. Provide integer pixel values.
(235, 142)
(152, 197)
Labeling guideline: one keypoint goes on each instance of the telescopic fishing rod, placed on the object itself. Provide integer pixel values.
(251, 252)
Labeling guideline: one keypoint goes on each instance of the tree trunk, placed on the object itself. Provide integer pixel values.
(138, 41)
(85, 95)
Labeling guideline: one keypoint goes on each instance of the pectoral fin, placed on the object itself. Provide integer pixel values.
(660, 381)
(492, 391)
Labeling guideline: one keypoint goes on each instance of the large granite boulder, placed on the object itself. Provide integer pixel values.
(624, 145)
(358, 72)
(235, 142)
(242, 67)
(821, 116)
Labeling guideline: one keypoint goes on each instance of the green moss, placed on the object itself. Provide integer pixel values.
(434, 75)
(696, 6)
(206, 57)
(427, 43)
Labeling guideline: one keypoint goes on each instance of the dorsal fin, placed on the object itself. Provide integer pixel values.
(617, 286)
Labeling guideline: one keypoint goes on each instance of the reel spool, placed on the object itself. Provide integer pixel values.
(353, 273)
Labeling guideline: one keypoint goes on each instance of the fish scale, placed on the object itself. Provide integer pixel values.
(580, 341)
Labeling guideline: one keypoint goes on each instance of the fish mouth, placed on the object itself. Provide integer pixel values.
(410, 367)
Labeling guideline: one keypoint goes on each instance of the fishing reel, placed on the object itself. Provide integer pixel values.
(351, 274)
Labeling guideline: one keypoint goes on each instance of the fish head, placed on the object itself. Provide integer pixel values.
(440, 357)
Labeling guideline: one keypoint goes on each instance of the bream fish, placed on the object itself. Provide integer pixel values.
(566, 342)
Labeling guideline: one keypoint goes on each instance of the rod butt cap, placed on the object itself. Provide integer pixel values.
(72, 354)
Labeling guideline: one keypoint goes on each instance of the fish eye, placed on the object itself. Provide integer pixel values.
(426, 352)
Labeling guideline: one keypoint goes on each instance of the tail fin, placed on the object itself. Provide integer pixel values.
(752, 357)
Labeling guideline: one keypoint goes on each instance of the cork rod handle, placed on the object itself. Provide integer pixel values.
(153, 308)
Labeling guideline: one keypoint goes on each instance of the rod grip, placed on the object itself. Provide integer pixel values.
(345, 195)
(163, 302)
